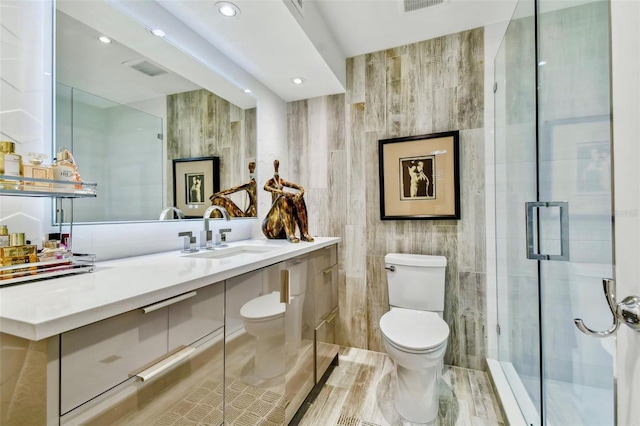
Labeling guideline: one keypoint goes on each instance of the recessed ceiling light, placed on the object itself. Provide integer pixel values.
(158, 32)
(104, 39)
(227, 9)
(247, 91)
(297, 80)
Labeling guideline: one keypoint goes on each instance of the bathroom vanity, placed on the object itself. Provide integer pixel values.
(161, 338)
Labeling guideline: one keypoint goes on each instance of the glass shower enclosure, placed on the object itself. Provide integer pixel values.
(553, 210)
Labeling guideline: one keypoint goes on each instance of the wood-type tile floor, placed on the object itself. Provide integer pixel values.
(359, 392)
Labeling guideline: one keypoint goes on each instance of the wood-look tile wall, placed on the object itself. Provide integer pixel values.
(427, 87)
(202, 124)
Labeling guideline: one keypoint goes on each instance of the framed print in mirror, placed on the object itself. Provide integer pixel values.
(194, 181)
(419, 177)
(575, 164)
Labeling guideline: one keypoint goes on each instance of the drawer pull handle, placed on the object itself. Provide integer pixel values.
(284, 286)
(330, 317)
(165, 363)
(298, 260)
(168, 302)
(328, 270)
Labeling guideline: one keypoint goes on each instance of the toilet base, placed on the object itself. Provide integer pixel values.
(417, 395)
(270, 356)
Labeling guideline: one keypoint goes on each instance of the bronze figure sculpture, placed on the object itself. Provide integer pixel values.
(222, 199)
(287, 210)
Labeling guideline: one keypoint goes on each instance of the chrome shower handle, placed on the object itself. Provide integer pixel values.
(627, 311)
(564, 230)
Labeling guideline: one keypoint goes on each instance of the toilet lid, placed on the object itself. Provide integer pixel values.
(414, 330)
(263, 307)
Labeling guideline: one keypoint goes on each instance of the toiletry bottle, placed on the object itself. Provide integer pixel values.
(17, 239)
(4, 236)
(34, 168)
(64, 168)
(10, 164)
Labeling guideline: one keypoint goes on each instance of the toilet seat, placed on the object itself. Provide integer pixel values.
(263, 308)
(414, 331)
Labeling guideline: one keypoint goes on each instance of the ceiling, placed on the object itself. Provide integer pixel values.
(77, 53)
(267, 44)
(274, 41)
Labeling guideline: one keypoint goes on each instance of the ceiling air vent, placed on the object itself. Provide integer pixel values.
(146, 67)
(298, 6)
(413, 5)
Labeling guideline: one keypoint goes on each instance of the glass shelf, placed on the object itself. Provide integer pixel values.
(70, 263)
(67, 262)
(32, 187)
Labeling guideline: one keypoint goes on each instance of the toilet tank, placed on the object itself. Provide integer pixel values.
(416, 281)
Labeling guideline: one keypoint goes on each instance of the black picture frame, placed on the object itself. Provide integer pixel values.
(420, 177)
(194, 181)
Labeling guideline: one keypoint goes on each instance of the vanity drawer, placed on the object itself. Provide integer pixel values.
(195, 317)
(99, 356)
(323, 258)
(325, 348)
(325, 289)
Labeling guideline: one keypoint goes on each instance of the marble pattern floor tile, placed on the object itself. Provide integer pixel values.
(359, 392)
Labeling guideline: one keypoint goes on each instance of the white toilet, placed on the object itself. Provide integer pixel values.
(276, 337)
(414, 333)
(263, 317)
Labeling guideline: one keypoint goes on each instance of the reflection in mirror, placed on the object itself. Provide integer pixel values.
(126, 118)
(117, 146)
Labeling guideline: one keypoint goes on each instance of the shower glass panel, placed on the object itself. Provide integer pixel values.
(575, 167)
(118, 147)
(552, 135)
(515, 156)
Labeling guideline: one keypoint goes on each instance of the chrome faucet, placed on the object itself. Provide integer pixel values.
(206, 236)
(189, 242)
(164, 215)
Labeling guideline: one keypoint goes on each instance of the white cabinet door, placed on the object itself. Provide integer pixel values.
(196, 317)
(99, 356)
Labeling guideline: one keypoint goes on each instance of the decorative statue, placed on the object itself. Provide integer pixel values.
(221, 198)
(287, 209)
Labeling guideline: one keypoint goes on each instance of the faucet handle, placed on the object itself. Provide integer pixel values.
(222, 231)
(189, 242)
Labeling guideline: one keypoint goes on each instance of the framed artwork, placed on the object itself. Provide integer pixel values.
(575, 163)
(419, 177)
(194, 181)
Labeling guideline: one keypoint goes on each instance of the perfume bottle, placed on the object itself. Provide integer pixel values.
(65, 169)
(10, 164)
(4, 236)
(35, 168)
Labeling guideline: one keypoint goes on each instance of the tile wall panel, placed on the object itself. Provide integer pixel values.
(202, 124)
(431, 86)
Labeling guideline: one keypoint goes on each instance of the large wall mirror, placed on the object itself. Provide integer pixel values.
(126, 118)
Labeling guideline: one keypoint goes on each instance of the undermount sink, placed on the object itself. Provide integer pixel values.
(223, 252)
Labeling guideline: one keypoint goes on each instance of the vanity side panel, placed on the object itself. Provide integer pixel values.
(23, 381)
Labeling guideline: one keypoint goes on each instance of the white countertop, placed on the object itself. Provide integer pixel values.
(46, 308)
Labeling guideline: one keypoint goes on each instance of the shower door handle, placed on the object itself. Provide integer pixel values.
(564, 230)
(627, 312)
